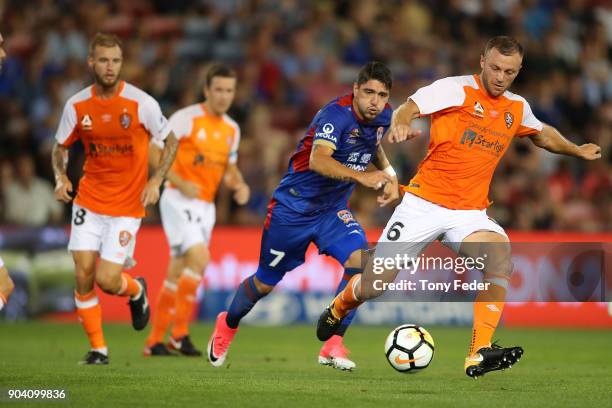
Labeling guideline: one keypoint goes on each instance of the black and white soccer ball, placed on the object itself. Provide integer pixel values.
(409, 348)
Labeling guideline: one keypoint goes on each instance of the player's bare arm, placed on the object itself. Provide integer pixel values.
(322, 162)
(391, 191)
(400, 122)
(59, 161)
(188, 188)
(234, 180)
(553, 141)
(150, 194)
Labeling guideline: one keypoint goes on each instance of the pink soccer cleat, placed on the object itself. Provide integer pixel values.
(220, 341)
(333, 353)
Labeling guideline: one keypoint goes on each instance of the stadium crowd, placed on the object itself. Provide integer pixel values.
(292, 57)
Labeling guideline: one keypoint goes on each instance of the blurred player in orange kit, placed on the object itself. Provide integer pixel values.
(6, 284)
(473, 121)
(207, 154)
(115, 122)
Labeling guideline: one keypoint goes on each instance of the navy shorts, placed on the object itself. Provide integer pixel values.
(287, 234)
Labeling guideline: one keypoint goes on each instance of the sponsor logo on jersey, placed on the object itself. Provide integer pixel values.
(353, 157)
(326, 133)
(365, 159)
(125, 120)
(201, 134)
(86, 123)
(509, 118)
(124, 238)
(355, 166)
(471, 138)
(99, 149)
(198, 159)
(478, 110)
(346, 216)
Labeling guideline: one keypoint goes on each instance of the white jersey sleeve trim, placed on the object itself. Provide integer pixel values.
(149, 112)
(181, 122)
(442, 94)
(528, 120)
(68, 121)
(233, 157)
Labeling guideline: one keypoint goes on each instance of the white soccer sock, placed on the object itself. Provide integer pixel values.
(102, 350)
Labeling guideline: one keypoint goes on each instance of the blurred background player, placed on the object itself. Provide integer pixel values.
(114, 120)
(474, 119)
(6, 284)
(311, 203)
(208, 152)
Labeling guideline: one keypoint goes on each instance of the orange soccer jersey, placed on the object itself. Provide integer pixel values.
(470, 132)
(207, 143)
(115, 134)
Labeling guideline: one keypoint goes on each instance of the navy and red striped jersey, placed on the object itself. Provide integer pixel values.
(354, 142)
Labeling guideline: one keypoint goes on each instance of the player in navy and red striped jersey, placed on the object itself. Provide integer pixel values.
(311, 203)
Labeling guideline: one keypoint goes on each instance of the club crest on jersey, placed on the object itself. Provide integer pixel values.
(355, 133)
(124, 238)
(379, 134)
(346, 216)
(509, 118)
(125, 120)
(478, 110)
(86, 123)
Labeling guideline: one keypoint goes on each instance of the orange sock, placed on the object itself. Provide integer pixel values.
(488, 309)
(164, 311)
(346, 300)
(129, 286)
(90, 314)
(185, 299)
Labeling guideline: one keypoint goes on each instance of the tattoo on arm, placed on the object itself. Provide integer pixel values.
(167, 157)
(59, 160)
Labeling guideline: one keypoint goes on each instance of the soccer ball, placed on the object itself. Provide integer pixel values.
(409, 348)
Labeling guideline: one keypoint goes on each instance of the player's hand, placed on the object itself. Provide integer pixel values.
(390, 194)
(242, 194)
(63, 187)
(150, 194)
(374, 179)
(189, 189)
(589, 151)
(400, 133)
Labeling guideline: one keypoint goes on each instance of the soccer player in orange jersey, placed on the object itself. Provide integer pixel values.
(207, 154)
(473, 121)
(115, 121)
(6, 284)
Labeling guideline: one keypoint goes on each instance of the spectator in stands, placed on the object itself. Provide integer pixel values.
(28, 200)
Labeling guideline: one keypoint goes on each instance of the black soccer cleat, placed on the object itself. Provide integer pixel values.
(492, 359)
(327, 325)
(184, 346)
(139, 308)
(158, 349)
(94, 358)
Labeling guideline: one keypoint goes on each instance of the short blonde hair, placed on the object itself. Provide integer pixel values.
(103, 40)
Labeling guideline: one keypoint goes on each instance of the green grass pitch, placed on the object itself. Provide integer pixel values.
(277, 367)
